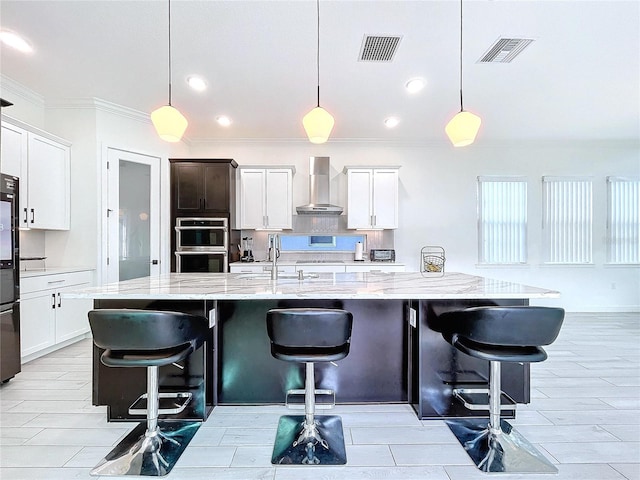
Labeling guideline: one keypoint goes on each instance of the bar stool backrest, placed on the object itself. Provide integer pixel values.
(309, 331)
(505, 326)
(139, 330)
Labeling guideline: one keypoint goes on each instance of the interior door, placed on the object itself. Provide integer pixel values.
(133, 215)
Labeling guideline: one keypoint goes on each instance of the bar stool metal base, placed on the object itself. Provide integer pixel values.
(152, 455)
(322, 446)
(506, 451)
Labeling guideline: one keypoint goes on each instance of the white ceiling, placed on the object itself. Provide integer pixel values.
(579, 79)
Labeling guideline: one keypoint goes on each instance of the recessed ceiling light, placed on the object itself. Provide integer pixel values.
(223, 120)
(415, 85)
(14, 40)
(391, 122)
(197, 83)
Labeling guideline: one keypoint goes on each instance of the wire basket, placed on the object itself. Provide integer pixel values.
(432, 260)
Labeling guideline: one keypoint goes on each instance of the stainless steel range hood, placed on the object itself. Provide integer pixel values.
(319, 189)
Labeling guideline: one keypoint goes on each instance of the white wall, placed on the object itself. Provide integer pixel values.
(438, 203)
(437, 192)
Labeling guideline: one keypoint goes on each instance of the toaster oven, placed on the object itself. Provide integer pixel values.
(382, 255)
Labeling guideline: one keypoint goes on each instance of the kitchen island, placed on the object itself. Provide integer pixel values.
(397, 354)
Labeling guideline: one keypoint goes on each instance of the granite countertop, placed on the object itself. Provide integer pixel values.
(369, 285)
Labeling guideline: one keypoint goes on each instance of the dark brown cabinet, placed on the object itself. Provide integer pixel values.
(202, 186)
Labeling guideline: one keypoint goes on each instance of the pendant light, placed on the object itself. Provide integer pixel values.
(318, 123)
(463, 128)
(168, 121)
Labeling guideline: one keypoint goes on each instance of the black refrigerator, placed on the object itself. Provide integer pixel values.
(9, 279)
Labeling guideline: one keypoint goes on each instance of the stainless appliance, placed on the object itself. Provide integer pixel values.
(382, 255)
(319, 189)
(202, 244)
(9, 279)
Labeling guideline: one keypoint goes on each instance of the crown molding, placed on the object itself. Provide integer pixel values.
(7, 85)
(98, 104)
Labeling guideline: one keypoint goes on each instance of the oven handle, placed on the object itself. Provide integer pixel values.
(224, 229)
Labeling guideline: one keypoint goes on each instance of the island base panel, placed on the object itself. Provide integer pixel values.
(376, 369)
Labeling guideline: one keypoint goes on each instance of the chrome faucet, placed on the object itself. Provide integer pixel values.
(275, 253)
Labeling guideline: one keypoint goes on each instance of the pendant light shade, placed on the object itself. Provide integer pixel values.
(463, 128)
(318, 123)
(167, 120)
(169, 123)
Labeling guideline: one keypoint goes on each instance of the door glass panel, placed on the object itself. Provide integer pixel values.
(134, 229)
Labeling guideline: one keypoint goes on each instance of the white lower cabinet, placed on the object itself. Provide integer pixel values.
(46, 319)
(259, 268)
(315, 268)
(383, 267)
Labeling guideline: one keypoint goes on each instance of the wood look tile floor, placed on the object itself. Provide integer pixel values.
(584, 416)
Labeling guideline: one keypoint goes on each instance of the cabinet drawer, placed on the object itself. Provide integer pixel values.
(53, 281)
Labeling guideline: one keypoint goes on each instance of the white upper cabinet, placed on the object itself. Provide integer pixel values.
(13, 149)
(266, 198)
(372, 197)
(48, 184)
(44, 166)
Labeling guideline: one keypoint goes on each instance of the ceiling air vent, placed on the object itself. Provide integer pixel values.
(505, 50)
(376, 48)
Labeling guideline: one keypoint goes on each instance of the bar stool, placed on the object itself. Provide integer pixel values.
(500, 334)
(309, 335)
(148, 338)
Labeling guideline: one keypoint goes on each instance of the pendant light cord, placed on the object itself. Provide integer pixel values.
(318, 49)
(461, 107)
(169, 52)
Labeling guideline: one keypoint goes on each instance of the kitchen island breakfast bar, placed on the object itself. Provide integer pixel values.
(397, 353)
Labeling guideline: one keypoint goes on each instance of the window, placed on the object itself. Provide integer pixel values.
(567, 219)
(623, 219)
(502, 223)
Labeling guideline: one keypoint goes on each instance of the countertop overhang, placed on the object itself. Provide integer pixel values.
(365, 285)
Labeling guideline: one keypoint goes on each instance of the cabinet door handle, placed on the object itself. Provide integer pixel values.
(266, 220)
(33, 216)
(53, 300)
(26, 214)
(59, 300)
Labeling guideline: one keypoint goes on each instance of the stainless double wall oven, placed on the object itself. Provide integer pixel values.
(202, 244)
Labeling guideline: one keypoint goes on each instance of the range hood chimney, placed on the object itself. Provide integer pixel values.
(319, 182)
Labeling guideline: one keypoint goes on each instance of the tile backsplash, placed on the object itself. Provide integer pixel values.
(316, 225)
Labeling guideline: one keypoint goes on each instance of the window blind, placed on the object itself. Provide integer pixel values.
(623, 219)
(502, 220)
(567, 219)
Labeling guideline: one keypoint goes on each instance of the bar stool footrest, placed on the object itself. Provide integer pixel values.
(170, 403)
(478, 399)
(299, 392)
